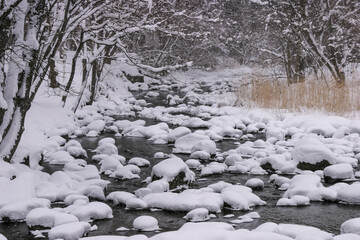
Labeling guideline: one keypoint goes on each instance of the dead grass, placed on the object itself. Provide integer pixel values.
(311, 95)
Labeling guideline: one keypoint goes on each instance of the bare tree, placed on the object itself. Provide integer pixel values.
(28, 56)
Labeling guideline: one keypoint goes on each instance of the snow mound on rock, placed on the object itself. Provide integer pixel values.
(351, 226)
(146, 223)
(69, 231)
(170, 168)
(309, 150)
(48, 218)
(198, 215)
(185, 143)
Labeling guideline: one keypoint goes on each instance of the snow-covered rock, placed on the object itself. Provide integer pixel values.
(58, 157)
(48, 218)
(240, 198)
(90, 211)
(278, 162)
(146, 223)
(196, 122)
(347, 236)
(255, 183)
(193, 163)
(18, 210)
(350, 194)
(198, 215)
(185, 143)
(176, 133)
(337, 172)
(107, 148)
(140, 162)
(311, 154)
(136, 204)
(174, 170)
(296, 200)
(97, 126)
(208, 146)
(185, 201)
(69, 231)
(351, 226)
(213, 168)
(159, 186)
(120, 197)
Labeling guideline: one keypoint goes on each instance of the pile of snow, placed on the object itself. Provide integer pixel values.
(255, 183)
(120, 197)
(185, 201)
(159, 186)
(176, 133)
(90, 211)
(198, 215)
(339, 171)
(240, 198)
(208, 146)
(171, 169)
(196, 122)
(349, 194)
(279, 163)
(7, 170)
(69, 231)
(310, 154)
(186, 143)
(48, 218)
(17, 211)
(304, 185)
(213, 168)
(250, 217)
(96, 126)
(296, 200)
(351, 226)
(146, 223)
(59, 157)
(140, 162)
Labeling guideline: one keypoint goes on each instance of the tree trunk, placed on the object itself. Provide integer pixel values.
(53, 74)
(84, 69)
(17, 126)
(73, 69)
(94, 79)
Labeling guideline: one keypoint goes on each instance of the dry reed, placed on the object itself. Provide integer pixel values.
(301, 97)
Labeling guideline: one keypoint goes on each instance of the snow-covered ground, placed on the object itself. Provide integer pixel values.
(310, 158)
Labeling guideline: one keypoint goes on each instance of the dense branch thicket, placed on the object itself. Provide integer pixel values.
(162, 35)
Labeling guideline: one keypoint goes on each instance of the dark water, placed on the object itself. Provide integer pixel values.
(326, 216)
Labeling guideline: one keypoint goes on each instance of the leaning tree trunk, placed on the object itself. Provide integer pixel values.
(73, 69)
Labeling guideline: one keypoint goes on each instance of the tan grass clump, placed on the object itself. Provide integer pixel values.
(300, 97)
